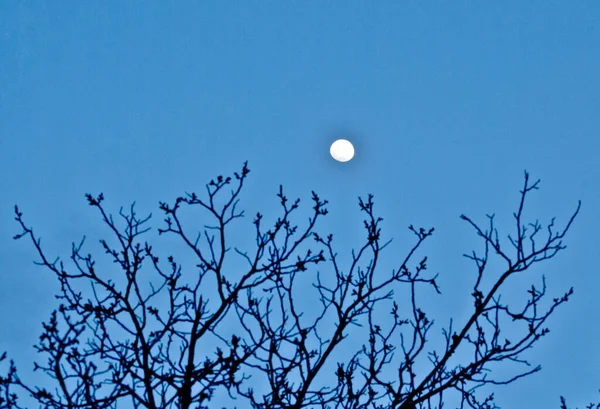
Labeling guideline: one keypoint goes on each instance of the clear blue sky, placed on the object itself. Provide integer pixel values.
(447, 104)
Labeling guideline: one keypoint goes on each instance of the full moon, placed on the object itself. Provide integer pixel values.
(342, 150)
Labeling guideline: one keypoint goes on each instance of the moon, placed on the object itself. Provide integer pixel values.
(342, 150)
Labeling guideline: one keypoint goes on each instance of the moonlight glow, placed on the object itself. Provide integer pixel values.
(342, 150)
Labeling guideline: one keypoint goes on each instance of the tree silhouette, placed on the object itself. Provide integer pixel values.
(153, 333)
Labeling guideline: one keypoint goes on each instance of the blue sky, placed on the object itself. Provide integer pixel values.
(447, 104)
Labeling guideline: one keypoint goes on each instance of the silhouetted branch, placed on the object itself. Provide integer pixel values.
(563, 404)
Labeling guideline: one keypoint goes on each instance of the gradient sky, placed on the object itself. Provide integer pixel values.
(447, 104)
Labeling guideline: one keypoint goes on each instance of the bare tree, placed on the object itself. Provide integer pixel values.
(156, 334)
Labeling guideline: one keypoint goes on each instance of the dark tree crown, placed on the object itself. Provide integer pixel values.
(151, 333)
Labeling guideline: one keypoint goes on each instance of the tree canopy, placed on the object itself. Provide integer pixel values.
(148, 331)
